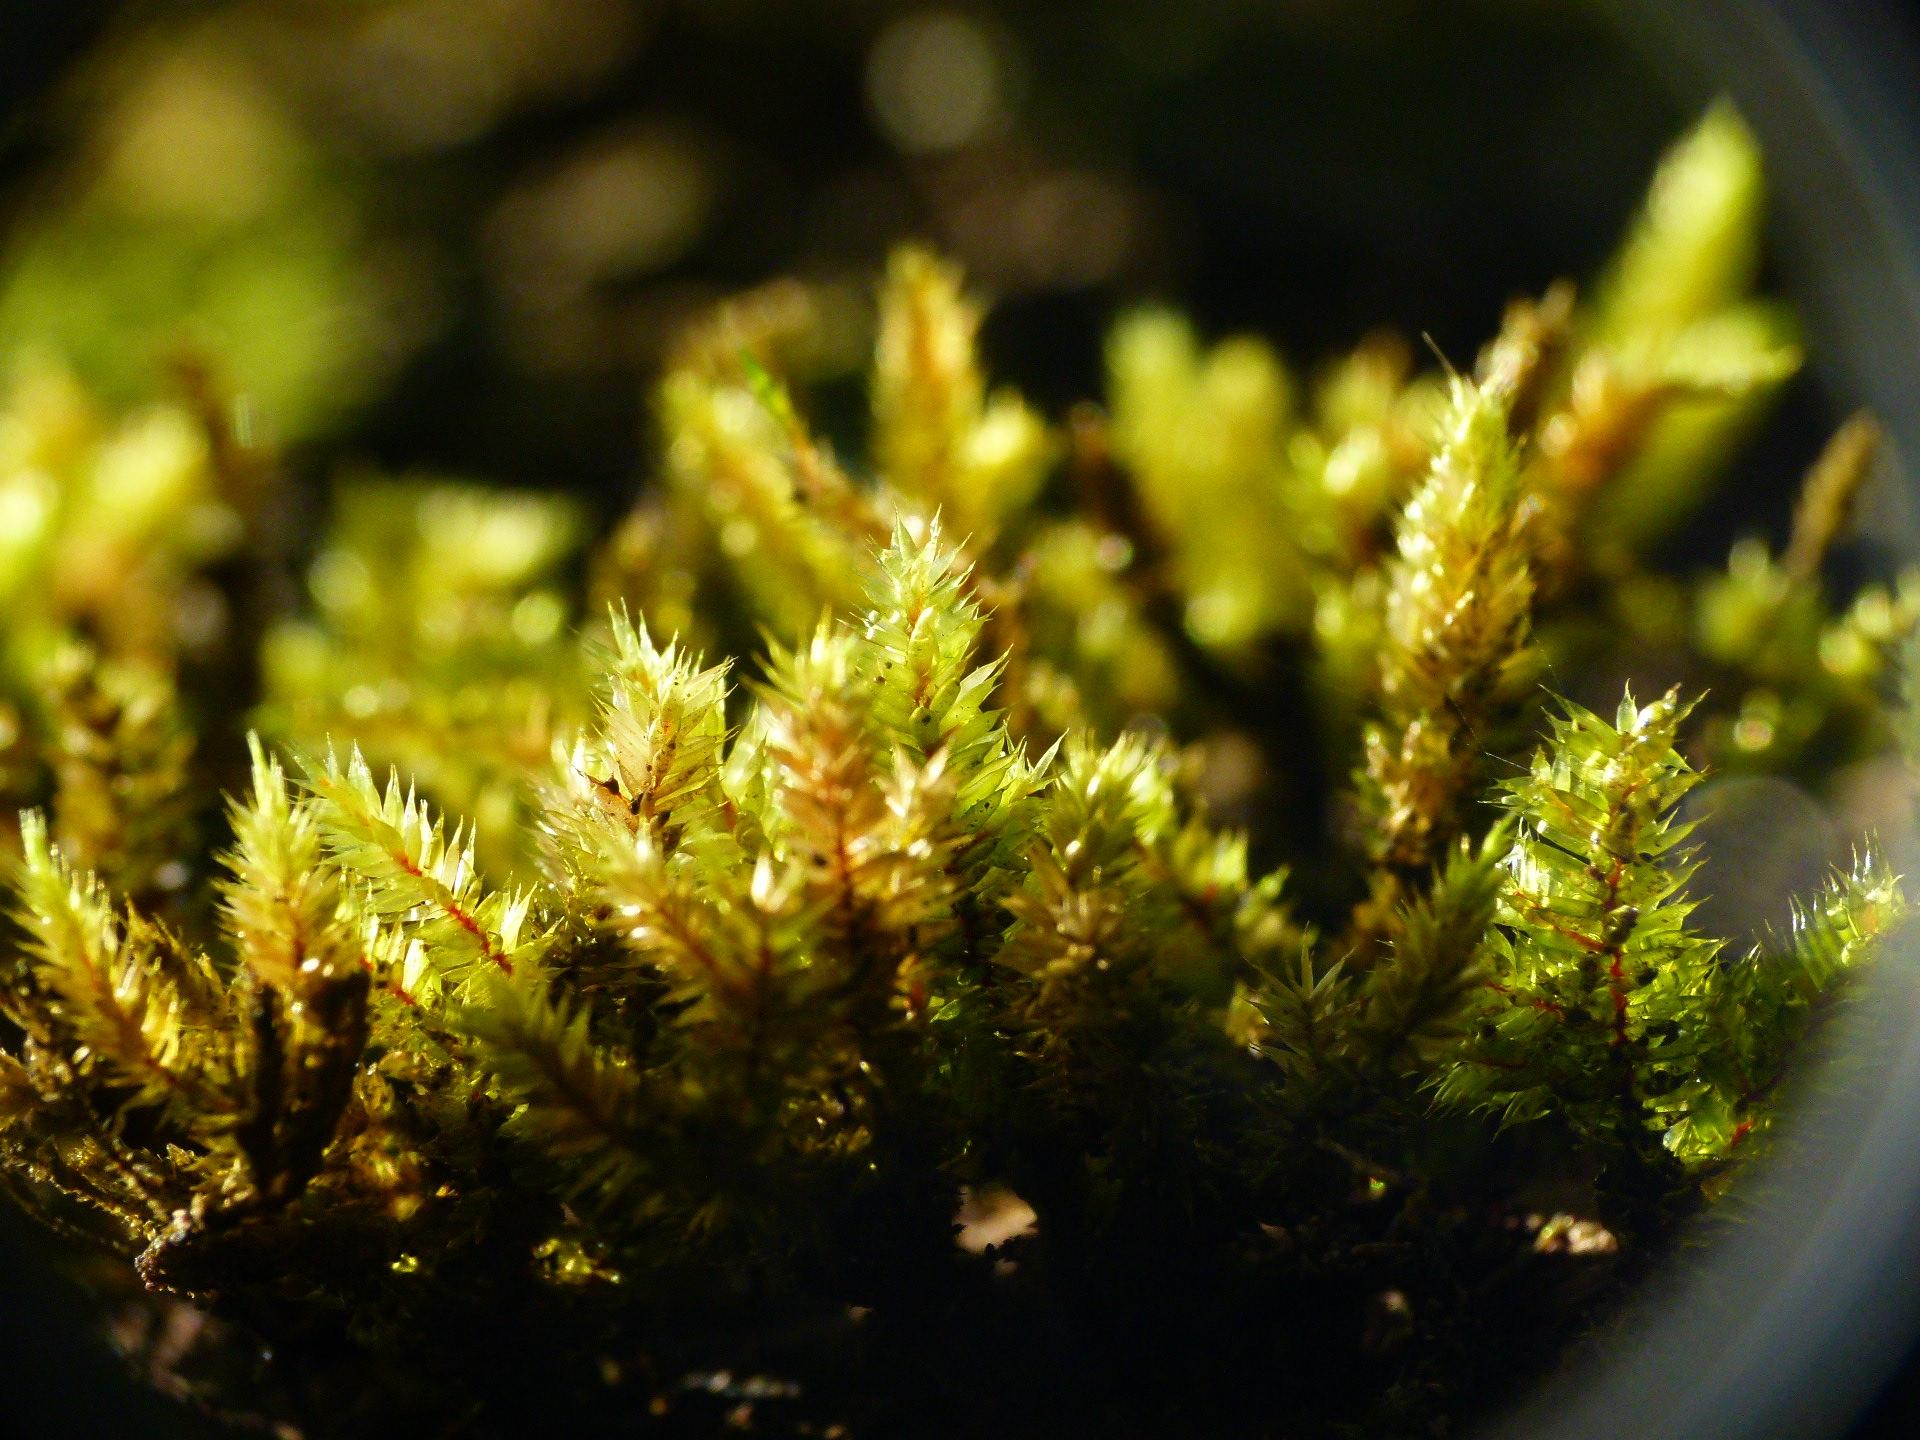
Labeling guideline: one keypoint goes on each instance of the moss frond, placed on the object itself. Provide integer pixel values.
(572, 1100)
(418, 882)
(1456, 653)
(282, 902)
(941, 441)
(122, 999)
(1417, 1004)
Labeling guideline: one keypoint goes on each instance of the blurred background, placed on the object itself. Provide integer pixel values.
(456, 236)
(457, 233)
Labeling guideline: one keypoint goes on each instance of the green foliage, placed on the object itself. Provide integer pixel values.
(425, 907)
(1763, 1003)
(941, 441)
(1204, 437)
(109, 524)
(203, 224)
(1455, 628)
(439, 643)
(129, 996)
(1674, 315)
(119, 752)
(571, 1100)
(1415, 1007)
(1597, 985)
(664, 989)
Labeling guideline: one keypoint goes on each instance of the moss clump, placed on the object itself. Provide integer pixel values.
(804, 968)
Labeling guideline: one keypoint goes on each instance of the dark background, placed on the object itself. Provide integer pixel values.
(1308, 169)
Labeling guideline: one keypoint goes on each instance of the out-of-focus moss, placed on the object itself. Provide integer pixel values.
(203, 224)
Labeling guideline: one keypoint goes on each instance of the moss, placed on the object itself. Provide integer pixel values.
(663, 951)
